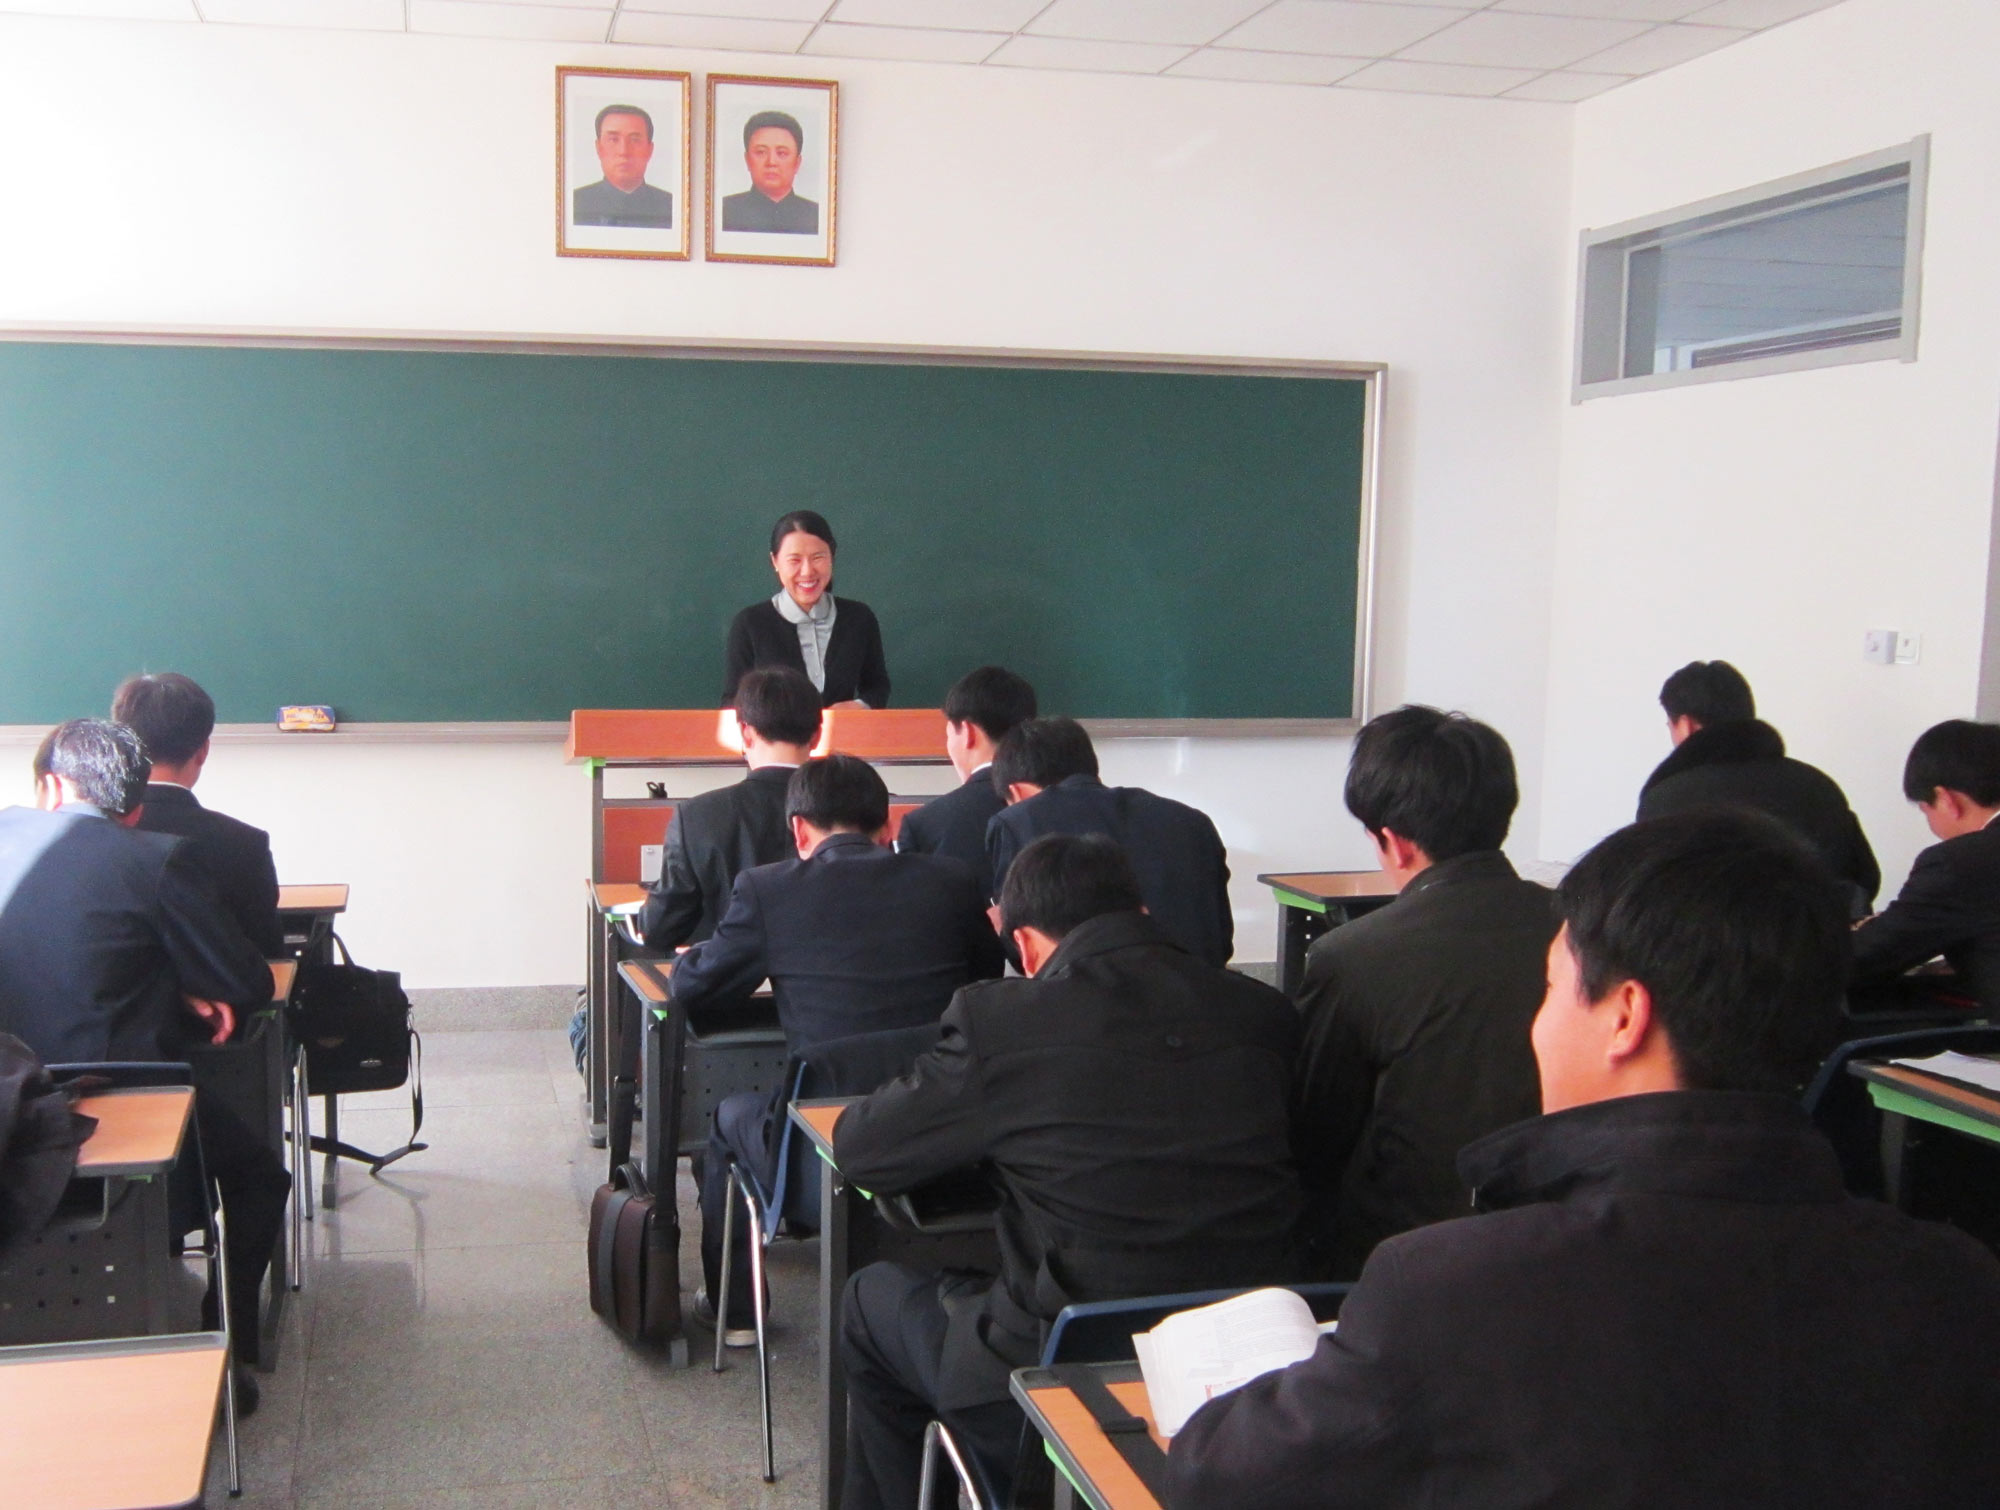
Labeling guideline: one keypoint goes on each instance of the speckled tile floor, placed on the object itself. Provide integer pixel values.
(443, 1354)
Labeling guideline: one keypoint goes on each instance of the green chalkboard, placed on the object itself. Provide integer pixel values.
(414, 535)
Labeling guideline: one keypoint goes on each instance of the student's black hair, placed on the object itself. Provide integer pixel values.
(166, 710)
(1041, 752)
(992, 698)
(780, 704)
(781, 120)
(807, 521)
(1958, 755)
(598, 130)
(1736, 929)
(104, 761)
(1062, 880)
(838, 792)
(1709, 692)
(1441, 780)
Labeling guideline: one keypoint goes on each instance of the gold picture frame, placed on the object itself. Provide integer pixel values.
(745, 221)
(600, 218)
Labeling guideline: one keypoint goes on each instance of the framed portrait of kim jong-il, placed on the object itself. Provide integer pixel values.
(773, 154)
(623, 163)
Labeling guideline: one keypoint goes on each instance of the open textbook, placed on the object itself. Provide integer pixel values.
(1982, 1070)
(1193, 1356)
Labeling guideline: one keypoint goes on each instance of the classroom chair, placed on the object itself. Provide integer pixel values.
(1842, 1109)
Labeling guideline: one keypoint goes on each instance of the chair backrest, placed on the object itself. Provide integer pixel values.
(1101, 1331)
(851, 1066)
(1842, 1109)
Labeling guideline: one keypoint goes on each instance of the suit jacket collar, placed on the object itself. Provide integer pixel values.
(1101, 935)
(1719, 1145)
(1477, 865)
(166, 794)
(1078, 783)
(776, 775)
(842, 847)
(1721, 744)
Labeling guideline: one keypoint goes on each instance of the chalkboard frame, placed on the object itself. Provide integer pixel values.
(1372, 375)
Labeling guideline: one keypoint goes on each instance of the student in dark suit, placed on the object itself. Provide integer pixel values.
(175, 718)
(1417, 1016)
(1669, 1299)
(1047, 770)
(854, 938)
(837, 645)
(1724, 756)
(1131, 1101)
(713, 838)
(978, 711)
(1950, 905)
(114, 945)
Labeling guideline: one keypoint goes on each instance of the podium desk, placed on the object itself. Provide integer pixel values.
(1084, 1454)
(115, 1425)
(1312, 902)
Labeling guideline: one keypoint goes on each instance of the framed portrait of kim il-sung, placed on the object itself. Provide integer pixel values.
(773, 151)
(623, 163)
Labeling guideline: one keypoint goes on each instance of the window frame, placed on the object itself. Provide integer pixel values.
(1602, 261)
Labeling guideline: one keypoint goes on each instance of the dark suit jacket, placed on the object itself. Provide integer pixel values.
(1744, 765)
(752, 211)
(955, 825)
(1950, 905)
(1672, 1303)
(712, 839)
(857, 939)
(761, 636)
(1416, 1019)
(602, 203)
(236, 856)
(1183, 868)
(101, 931)
(1132, 1101)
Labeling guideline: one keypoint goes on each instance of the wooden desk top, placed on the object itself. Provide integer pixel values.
(1967, 1101)
(283, 973)
(138, 1131)
(643, 976)
(109, 1425)
(610, 894)
(1332, 885)
(328, 897)
(1059, 1414)
(818, 1117)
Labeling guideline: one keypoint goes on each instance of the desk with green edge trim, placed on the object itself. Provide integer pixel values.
(1084, 1456)
(1903, 1093)
(1311, 902)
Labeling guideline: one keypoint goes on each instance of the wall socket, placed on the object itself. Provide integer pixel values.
(1891, 647)
(1909, 649)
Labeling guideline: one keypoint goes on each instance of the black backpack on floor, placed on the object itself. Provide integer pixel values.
(358, 1036)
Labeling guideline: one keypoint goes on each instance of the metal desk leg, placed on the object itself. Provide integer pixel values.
(1895, 1156)
(1292, 928)
(834, 1262)
(328, 1190)
(597, 1046)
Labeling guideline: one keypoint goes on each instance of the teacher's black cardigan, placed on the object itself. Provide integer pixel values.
(761, 636)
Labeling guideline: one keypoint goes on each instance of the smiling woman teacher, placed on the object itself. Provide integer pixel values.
(837, 644)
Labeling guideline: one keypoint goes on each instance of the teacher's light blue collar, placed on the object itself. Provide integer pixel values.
(822, 611)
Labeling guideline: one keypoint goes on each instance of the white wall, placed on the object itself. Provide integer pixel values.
(1771, 521)
(242, 178)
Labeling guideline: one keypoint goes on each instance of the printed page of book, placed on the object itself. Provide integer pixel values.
(1189, 1359)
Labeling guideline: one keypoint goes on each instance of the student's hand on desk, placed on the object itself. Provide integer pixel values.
(219, 1015)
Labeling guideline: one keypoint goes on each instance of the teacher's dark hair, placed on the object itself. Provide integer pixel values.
(170, 712)
(1041, 752)
(1441, 780)
(838, 794)
(1709, 692)
(1062, 880)
(105, 762)
(1736, 929)
(803, 521)
(779, 119)
(991, 698)
(780, 704)
(1958, 755)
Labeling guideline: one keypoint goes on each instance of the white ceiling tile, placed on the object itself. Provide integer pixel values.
(1186, 21)
(907, 43)
(1437, 78)
(1567, 88)
(952, 15)
(710, 31)
(1492, 40)
(1265, 67)
(542, 23)
(1758, 13)
(344, 15)
(1340, 27)
(1662, 47)
(119, 10)
(607, 6)
(1607, 10)
(1098, 57)
(744, 10)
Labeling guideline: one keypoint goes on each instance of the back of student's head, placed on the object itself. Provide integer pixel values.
(168, 711)
(1042, 752)
(992, 698)
(1441, 780)
(838, 792)
(780, 704)
(1737, 931)
(1959, 756)
(104, 761)
(1062, 880)
(1709, 692)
